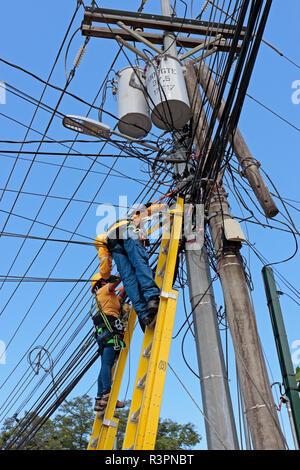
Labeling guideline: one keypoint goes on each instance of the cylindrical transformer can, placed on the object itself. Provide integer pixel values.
(133, 109)
(167, 95)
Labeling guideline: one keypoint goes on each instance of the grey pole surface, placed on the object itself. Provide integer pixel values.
(220, 425)
(261, 414)
(213, 380)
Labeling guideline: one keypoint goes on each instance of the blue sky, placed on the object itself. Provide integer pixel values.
(33, 45)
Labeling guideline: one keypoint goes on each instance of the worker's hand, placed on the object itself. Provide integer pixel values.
(114, 278)
(113, 282)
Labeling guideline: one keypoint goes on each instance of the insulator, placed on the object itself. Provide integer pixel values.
(79, 56)
(204, 7)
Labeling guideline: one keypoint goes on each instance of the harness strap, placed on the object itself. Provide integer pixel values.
(115, 339)
(103, 316)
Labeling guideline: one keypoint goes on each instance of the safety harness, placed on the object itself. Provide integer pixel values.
(114, 235)
(114, 325)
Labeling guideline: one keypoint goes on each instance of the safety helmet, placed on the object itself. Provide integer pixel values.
(97, 277)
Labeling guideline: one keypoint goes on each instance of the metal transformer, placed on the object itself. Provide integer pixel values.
(133, 109)
(167, 94)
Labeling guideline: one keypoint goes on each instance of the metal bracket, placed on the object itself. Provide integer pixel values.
(146, 352)
(134, 83)
(254, 407)
(135, 415)
(141, 383)
(213, 214)
(108, 422)
(202, 46)
(94, 442)
(169, 295)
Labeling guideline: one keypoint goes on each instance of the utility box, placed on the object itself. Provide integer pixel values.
(133, 109)
(233, 231)
(167, 95)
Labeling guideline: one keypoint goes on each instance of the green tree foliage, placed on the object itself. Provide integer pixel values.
(170, 435)
(71, 427)
(45, 438)
(74, 422)
(174, 436)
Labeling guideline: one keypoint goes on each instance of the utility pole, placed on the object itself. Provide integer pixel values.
(213, 378)
(220, 426)
(235, 292)
(282, 345)
(215, 392)
(250, 166)
(256, 390)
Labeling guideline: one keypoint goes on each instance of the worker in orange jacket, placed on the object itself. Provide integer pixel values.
(109, 333)
(124, 244)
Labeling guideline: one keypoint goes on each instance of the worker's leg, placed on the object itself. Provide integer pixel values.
(138, 258)
(130, 281)
(104, 379)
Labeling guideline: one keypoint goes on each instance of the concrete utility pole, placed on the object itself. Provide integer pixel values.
(220, 426)
(214, 382)
(255, 386)
(250, 166)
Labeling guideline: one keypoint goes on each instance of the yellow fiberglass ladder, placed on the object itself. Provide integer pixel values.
(145, 407)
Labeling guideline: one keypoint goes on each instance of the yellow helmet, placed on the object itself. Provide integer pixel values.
(99, 240)
(94, 280)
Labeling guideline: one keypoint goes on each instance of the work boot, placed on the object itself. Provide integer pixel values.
(104, 401)
(98, 406)
(120, 404)
(153, 305)
(150, 321)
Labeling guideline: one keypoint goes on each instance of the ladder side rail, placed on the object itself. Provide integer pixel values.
(167, 284)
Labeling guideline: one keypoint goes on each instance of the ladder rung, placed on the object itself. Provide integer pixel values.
(161, 271)
(108, 422)
(94, 442)
(141, 382)
(135, 415)
(166, 247)
(147, 350)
